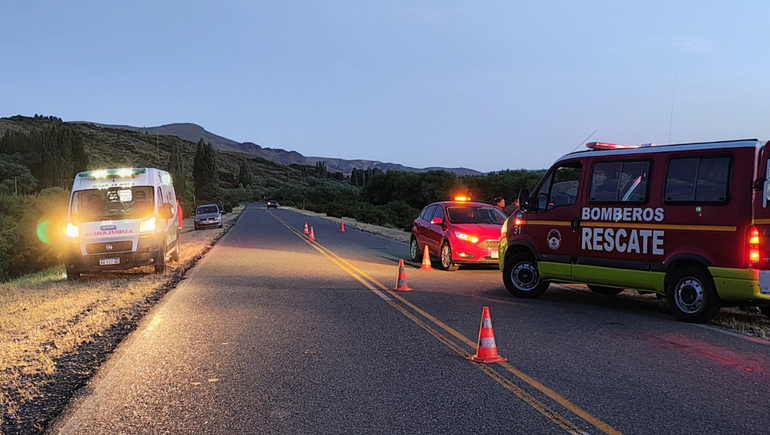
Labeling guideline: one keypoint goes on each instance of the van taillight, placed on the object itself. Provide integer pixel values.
(753, 245)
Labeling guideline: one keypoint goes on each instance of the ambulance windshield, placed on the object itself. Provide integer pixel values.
(112, 204)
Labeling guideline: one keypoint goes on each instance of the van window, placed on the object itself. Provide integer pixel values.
(698, 179)
(620, 182)
(564, 189)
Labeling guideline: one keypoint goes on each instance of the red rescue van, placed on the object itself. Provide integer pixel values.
(690, 222)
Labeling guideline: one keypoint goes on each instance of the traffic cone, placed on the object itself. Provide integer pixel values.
(305, 231)
(342, 226)
(401, 281)
(312, 235)
(426, 260)
(486, 350)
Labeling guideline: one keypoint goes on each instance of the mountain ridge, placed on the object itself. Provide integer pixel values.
(194, 132)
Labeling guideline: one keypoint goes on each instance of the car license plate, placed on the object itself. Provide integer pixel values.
(494, 253)
(108, 261)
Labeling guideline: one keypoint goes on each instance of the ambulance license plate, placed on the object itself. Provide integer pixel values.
(494, 253)
(108, 261)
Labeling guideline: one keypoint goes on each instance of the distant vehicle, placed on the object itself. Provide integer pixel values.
(457, 232)
(690, 222)
(272, 204)
(121, 219)
(208, 215)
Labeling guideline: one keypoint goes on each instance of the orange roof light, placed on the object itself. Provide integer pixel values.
(462, 198)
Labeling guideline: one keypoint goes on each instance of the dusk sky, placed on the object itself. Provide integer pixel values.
(487, 85)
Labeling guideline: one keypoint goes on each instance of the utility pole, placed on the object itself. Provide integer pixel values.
(15, 186)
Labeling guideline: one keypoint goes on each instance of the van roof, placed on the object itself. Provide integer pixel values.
(738, 143)
(118, 176)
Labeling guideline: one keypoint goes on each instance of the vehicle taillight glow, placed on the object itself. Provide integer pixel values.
(753, 245)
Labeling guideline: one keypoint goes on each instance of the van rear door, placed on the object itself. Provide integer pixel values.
(761, 208)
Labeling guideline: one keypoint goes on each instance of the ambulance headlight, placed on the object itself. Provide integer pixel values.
(466, 237)
(147, 225)
(72, 230)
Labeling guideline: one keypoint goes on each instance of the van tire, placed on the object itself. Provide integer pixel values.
(414, 249)
(691, 294)
(445, 260)
(160, 266)
(73, 276)
(522, 277)
(605, 291)
(176, 254)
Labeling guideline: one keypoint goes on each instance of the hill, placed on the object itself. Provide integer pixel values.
(117, 147)
(193, 132)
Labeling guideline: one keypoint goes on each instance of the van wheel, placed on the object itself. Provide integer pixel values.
(160, 266)
(765, 311)
(691, 294)
(446, 258)
(73, 276)
(522, 278)
(414, 249)
(605, 291)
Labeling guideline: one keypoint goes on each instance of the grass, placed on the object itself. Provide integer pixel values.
(44, 317)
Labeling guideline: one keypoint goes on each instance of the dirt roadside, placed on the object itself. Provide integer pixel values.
(54, 333)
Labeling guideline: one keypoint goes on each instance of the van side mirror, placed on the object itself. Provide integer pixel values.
(436, 221)
(166, 211)
(524, 199)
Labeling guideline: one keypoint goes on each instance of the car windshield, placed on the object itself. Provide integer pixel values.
(113, 203)
(470, 214)
(206, 209)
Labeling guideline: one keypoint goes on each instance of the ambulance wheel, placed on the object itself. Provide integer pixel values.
(160, 266)
(414, 249)
(605, 291)
(446, 258)
(176, 253)
(691, 294)
(522, 278)
(73, 276)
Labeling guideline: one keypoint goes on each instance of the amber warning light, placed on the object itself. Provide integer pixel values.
(462, 198)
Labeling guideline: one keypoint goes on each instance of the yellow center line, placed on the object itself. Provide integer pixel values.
(506, 383)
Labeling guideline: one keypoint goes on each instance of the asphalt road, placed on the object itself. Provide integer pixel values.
(274, 334)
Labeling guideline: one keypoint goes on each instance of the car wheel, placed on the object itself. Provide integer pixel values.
(522, 277)
(197, 228)
(414, 250)
(691, 294)
(446, 258)
(220, 226)
(605, 291)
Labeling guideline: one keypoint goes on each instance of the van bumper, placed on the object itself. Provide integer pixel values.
(742, 284)
(148, 252)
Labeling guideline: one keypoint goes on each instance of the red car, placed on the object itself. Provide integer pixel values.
(457, 232)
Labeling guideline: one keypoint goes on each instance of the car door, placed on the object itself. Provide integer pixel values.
(553, 221)
(435, 232)
(422, 225)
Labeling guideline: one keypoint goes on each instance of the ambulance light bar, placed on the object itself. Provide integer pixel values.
(112, 173)
(614, 146)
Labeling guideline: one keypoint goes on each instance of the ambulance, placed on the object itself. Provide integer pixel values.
(690, 222)
(120, 219)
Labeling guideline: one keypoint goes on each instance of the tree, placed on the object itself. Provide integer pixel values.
(244, 175)
(176, 169)
(205, 174)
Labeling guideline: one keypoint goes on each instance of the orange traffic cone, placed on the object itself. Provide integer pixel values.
(312, 235)
(426, 260)
(486, 350)
(342, 226)
(305, 231)
(401, 281)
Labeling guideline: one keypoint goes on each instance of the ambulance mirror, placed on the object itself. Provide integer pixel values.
(524, 199)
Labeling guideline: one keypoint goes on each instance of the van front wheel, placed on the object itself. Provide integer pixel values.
(522, 277)
(691, 294)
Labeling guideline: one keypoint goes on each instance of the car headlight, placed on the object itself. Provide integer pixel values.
(147, 225)
(72, 230)
(466, 237)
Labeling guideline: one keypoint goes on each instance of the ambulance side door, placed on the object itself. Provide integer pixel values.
(554, 217)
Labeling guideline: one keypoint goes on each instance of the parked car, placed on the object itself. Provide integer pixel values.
(272, 204)
(208, 215)
(457, 232)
